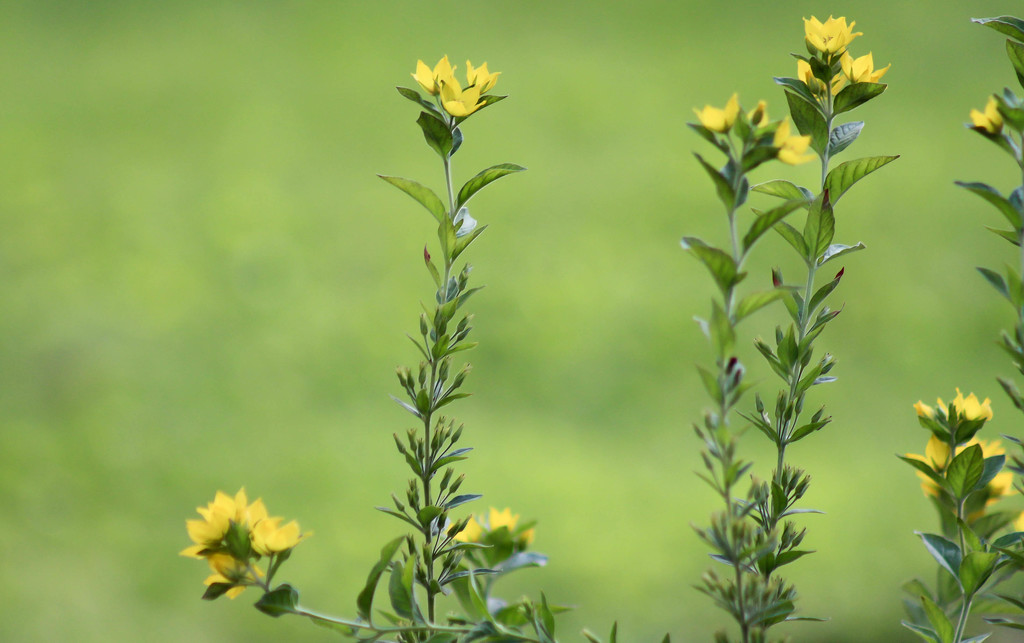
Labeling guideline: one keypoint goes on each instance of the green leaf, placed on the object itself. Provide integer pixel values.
(925, 633)
(283, 600)
(423, 195)
(364, 603)
(823, 292)
(765, 221)
(976, 568)
(478, 601)
(993, 196)
(843, 176)
(216, 590)
(925, 469)
(820, 226)
(415, 97)
(1015, 52)
(710, 384)
(436, 133)
(842, 136)
(721, 266)
(461, 243)
(809, 121)
(856, 94)
(461, 500)
(798, 88)
(837, 250)
(400, 589)
(722, 186)
(723, 337)
(784, 189)
(939, 620)
(427, 514)
(793, 237)
(756, 301)
(944, 551)
(993, 465)
(709, 136)
(1009, 235)
(965, 471)
(1006, 25)
(483, 178)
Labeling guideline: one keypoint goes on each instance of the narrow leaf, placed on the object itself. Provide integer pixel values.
(767, 220)
(423, 195)
(756, 301)
(993, 196)
(784, 189)
(725, 192)
(944, 551)
(938, 619)
(856, 94)
(483, 178)
(809, 121)
(842, 136)
(843, 176)
(1007, 25)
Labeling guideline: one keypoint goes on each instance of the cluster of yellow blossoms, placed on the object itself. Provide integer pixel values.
(477, 529)
(831, 38)
(792, 149)
(937, 453)
(441, 82)
(232, 534)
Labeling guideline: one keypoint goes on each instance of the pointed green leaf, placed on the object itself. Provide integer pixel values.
(793, 237)
(721, 266)
(976, 569)
(415, 97)
(820, 226)
(1015, 52)
(842, 136)
(755, 301)
(364, 603)
(766, 220)
(436, 133)
(843, 176)
(785, 189)
(798, 88)
(837, 250)
(483, 178)
(400, 588)
(944, 551)
(424, 195)
(993, 196)
(1006, 25)
(809, 121)
(725, 192)
(966, 470)
(283, 600)
(856, 94)
(939, 620)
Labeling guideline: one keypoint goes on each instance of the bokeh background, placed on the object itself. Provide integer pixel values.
(205, 286)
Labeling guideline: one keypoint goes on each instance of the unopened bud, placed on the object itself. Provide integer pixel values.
(398, 505)
(426, 255)
(398, 443)
(776, 277)
(458, 482)
(424, 324)
(839, 275)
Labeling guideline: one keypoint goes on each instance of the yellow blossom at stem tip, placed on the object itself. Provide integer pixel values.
(719, 120)
(480, 77)
(831, 37)
(862, 70)
(758, 116)
(990, 120)
(792, 149)
(430, 80)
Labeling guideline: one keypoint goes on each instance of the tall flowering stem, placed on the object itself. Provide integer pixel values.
(830, 82)
(439, 557)
(747, 140)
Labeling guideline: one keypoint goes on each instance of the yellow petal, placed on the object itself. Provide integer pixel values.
(471, 533)
(425, 77)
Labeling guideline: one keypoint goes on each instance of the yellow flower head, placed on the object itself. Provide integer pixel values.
(480, 77)
(430, 80)
(719, 120)
(862, 70)
(269, 537)
(792, 149)
(758, 116)
(459, 102)
(476, 530)
(472, 533)
(990, 120)
(228, 570)
(969, 408)
(218, 516)
(831, 37)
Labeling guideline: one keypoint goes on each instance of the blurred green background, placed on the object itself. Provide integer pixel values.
(205, 286)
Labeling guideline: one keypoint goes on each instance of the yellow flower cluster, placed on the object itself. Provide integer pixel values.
(832, 38)
(476, 531)
(792, 149)
(441, 81)
(989, 120)
(968, 408)
(232, 533)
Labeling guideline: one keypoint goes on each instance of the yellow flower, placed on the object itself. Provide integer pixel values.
(862, 70)
(792, 149)
(719, 120)
(218, 516)
(431, 80)
(923, 410)
(758, 116)
(990, 120)
(459, 102)
(969, 408)
(234, 572)
(269, 537)
(471, 533)
(816, 85)
(480, 77)
(831, 37)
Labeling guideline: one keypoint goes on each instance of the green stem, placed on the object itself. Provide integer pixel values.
(961, 624)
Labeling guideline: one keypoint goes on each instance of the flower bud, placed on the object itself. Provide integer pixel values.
(424, 324)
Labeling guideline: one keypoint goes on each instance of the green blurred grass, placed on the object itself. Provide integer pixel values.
(206, 286)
